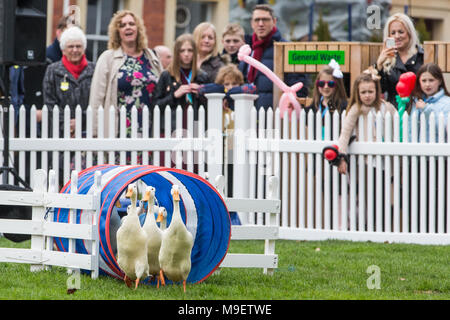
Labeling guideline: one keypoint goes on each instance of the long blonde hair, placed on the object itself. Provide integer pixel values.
(114, 35)
(369, 75)
(198, 31)
(414, 41)
(175, 65)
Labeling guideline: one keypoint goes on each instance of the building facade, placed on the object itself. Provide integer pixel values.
(164, 19)
(436, 14)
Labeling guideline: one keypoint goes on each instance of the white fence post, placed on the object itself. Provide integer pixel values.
(73, 213)
(243, 104)
(215, 135)
(38, 214)
(269, 244)
(95, 249)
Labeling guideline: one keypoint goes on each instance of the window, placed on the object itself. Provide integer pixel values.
(190, 13)
(99, 14)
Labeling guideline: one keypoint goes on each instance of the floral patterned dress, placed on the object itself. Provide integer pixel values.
(135, 88)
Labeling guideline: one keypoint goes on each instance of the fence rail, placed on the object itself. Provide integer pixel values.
(42, 230)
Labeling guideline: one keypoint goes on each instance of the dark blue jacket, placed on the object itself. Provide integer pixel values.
(54, 53)
(264, 84)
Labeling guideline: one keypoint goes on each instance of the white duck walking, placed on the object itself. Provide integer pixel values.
(176, 246)
(132, 244)
(154, 234)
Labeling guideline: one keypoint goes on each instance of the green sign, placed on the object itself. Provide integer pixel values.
(316, 57)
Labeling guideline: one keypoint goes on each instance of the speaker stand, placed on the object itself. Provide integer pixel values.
(6, 170)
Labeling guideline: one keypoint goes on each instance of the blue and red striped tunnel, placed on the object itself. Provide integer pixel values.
(202, 208)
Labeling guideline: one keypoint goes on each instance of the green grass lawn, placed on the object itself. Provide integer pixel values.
(307, 270)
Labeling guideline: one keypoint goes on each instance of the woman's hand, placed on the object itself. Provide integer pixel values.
(194, 87)
(182, 90)
(384, 55)
(342, 168)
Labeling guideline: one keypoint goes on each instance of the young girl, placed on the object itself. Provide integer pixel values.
(179, 84)
(329, 92)
(430, 95)
(365, 97)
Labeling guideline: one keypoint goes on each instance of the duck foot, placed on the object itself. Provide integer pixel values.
(137, 283)
(127, 281)
(161, 278)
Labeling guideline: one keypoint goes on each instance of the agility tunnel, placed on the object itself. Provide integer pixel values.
(202, 208)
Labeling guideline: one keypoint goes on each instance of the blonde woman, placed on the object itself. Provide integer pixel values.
(127, 73)
(400, 54)
(208, 58)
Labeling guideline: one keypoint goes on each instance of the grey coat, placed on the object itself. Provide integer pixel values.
(77, 92)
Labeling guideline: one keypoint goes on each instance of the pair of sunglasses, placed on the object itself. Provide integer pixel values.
(321, 83)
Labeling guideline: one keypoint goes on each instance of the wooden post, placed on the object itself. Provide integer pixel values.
(278, 65)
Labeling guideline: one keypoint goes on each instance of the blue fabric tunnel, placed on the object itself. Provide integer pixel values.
(202, 209)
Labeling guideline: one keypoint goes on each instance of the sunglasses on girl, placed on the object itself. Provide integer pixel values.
(321, 83)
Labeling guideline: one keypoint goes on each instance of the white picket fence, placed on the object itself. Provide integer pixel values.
(396, 191)
(269, 232)
(43, 200)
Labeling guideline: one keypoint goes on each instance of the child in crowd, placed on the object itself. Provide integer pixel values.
(329, 92)
(230, 81)
(178, 85)
(430, 95)
(365, 97)
(233, 37)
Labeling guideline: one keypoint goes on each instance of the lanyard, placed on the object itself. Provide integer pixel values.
(188, 80)
(324, 111)
(321, 109)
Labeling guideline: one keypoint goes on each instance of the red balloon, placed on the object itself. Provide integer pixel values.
(406, 84)
(409, 78)
(402, 89)
(330, 154)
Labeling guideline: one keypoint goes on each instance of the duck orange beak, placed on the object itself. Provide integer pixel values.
(146, 196)
(129, 193)
(176, 195)
(160, 217)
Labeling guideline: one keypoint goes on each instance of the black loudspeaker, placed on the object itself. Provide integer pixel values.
(23, 32)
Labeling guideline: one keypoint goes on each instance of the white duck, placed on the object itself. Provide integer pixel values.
(176, 246)
(154, 234)
(162, 218)
(132, 243)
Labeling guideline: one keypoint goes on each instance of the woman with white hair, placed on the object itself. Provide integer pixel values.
(68, 82)
(401, 53)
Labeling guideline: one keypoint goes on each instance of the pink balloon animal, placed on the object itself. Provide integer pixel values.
(289, 93)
